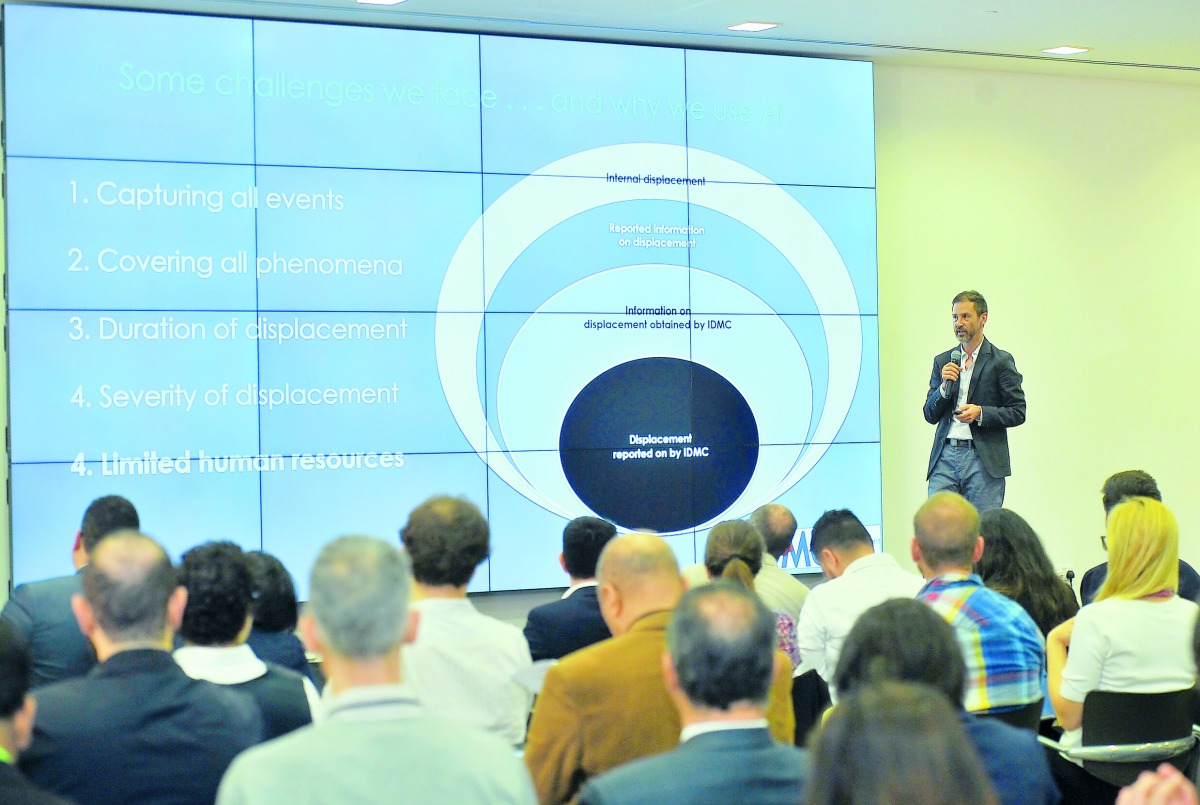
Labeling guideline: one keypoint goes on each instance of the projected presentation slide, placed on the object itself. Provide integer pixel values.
(277, 282)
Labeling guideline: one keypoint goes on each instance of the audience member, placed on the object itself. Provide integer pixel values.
(607, 704)
(1000, 643)
(895, 743)
(1133, 638)
(461, 662)
(136, 728)
(276, 612)
(858, 577)
(216, 621)
(376, 744)
(735, 552)
(779, 590)
(1118, 487)
(1015, 564)
(41, 610)
(718, 670)
(17, 710)
(904, 640)
(556, 629)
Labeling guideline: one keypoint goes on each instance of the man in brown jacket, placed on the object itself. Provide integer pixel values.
(608, 704)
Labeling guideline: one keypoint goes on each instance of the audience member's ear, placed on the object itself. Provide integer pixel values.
(978, 550)
(562, 562)
(414, 621)
(916, 552)
(83, 615)
(79, 555)
(22, 723)
(670, 676)
(610, 605)
(310, 635)
(176, 604)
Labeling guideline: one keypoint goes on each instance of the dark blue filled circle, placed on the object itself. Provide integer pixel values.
(699, 450)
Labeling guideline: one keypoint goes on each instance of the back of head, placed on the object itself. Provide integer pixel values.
(128, 584)
(905, 640)
(16, 669)
(895, 743)
(1128, 484)
(446, 538)
(776, 525)
(734, 552)
(358, 596)
(220, 593)
(275, 607)
(840, 530)
(1143, 550)
(1014, 563)
(947, 529)
(105, 515)
(722, 644)
(584, 539)
(641, 567)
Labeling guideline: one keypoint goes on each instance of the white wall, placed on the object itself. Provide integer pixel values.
(1072, 205)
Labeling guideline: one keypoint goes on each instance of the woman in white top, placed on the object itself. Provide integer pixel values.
(1136, 636)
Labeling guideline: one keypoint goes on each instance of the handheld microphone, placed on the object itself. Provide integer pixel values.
(952, 388)
(956, 356)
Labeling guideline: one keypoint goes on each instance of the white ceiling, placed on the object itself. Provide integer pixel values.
(1140, 39)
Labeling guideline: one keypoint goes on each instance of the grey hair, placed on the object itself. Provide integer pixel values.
(359, 596)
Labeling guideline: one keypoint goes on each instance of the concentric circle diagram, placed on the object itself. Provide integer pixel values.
(664, 430)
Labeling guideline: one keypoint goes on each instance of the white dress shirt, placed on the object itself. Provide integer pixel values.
(233, 665)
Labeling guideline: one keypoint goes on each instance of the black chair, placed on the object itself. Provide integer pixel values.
(810, 698)
(1125, 734)
(1028, 717)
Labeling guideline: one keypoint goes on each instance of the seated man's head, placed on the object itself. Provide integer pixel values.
(16, 705)
(1128, 484)
(103, 516)
(637, 574)
(220, 595)
(721, 650)
(584, 539)
(131, 595)
(946, 537)
(357, 609)
(275, 606)
(777, 526)
(838, 538)
(446, 538)
(902, 639)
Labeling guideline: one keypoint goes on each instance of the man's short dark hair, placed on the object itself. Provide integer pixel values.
(777, 526)
(129, 592)
(722, 644)
(105, 515)
(220, 593)
(583, 540)
(16, 669)
(1128, 484)
(975, 298)
(446, 538)
(902, 639)
(275, 607)
(838, 529)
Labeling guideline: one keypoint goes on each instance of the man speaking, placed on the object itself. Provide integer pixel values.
(974, 397)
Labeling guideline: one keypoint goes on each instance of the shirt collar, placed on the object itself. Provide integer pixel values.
(705, 727)
(945, 580)
(370, 703)
(224, 665)
(579, 586)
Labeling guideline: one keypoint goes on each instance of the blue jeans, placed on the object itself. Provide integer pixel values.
(958, 469)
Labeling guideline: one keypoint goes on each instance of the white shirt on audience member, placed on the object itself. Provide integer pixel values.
(233, 665)
(461, 666)
(832, 608)
(779, 590)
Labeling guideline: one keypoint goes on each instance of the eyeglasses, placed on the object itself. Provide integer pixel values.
(1104, 542)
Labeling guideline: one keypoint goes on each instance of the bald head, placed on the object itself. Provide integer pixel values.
(777, 526)
(638, 574)
(947, 533)
(128, 585)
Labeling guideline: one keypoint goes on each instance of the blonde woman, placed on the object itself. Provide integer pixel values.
(1134, 638)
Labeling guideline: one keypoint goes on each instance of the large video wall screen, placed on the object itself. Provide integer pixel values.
(277, 282)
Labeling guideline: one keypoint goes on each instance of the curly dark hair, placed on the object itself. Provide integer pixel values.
(275, 607)
(220, 593)
(446, 538)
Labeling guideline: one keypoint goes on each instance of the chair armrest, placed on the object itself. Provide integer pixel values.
(1050, 742)
(1131, 753)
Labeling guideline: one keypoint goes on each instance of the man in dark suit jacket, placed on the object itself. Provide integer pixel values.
(560, 627)
(41, 610)
(17, 709)
(974, 397)
(718, 669)
(136, 728)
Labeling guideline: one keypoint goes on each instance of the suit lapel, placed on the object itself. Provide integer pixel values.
(981, 362)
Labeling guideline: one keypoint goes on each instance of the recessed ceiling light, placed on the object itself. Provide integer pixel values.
(380, 2)
(754, 27)
(1062, 50)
